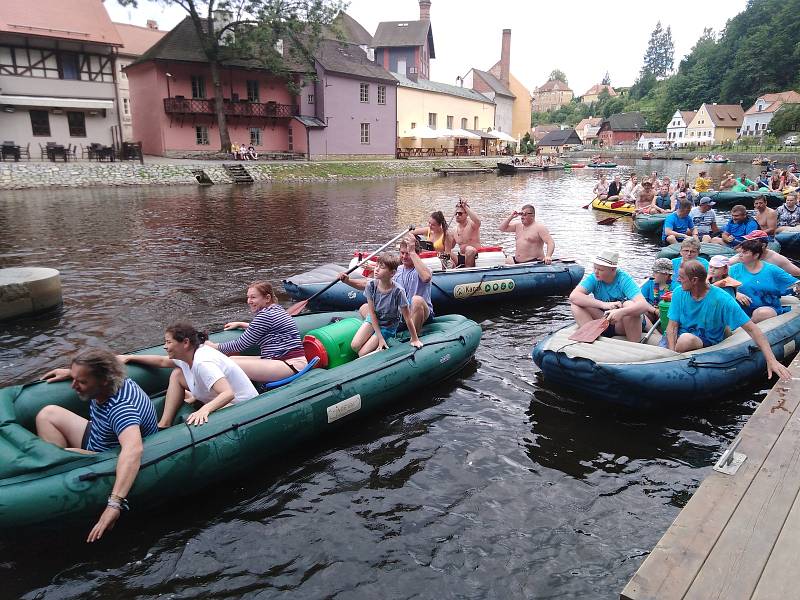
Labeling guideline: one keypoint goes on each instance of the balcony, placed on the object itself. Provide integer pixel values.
(194, 106)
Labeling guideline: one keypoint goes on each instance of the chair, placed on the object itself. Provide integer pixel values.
(43, 150)
(26, 152)
(84, 151)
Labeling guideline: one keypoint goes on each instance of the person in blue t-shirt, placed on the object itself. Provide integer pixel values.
(739, 225)
(699, 313)
(678, 225)
(656, 287)
(690, 250)
(121, 415)
(611, 293)
(762, 283)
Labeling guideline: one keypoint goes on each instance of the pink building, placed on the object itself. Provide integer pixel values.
(172, 102)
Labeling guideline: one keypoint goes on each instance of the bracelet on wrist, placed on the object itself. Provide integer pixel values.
(117, 503)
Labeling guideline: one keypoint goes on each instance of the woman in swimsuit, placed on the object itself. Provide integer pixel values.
(273, 331)
(436, 232)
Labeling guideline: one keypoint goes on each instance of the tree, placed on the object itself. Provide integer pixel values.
(559, 75)
(606, 79)
(787, 119)
(267, 32)
(659, 56)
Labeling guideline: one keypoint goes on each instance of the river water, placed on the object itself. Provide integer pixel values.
(487, 486)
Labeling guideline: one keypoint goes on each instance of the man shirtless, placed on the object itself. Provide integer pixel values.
(531, 237)
(766, 217)
(467, 236)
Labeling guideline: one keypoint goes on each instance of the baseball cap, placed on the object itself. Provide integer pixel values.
(707, 200)
(719, 260)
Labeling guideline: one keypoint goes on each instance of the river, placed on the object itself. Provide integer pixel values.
(487, 486)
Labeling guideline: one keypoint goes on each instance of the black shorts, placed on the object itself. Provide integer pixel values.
(462, 260)
(520, 262)
(86, 433)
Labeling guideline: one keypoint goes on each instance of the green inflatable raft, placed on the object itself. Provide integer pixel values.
(649, 223)
(41, 484)
(708, 250)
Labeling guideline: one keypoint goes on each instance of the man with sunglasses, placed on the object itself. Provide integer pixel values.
(468, 226)
(531, 237)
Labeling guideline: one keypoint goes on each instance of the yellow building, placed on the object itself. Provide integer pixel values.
(439, 106)
(715, 124)
(521, 113)
(593, 93)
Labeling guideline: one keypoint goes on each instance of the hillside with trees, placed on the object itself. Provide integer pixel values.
(758, 52)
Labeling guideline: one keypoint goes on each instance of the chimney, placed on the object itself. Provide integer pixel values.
(505, 57)
(151, 24)
(424, 10)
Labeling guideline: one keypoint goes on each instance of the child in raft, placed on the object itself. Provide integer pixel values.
(718, 274)
(386, 302)
(655, 287)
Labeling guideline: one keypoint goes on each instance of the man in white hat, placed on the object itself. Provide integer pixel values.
(609, 291)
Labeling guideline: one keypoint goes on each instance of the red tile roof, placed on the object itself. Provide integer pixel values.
(599, 87)
(687, 116)
(554, 85)
(81, 20)
(725, 115)
(137, 40)
(774, 102)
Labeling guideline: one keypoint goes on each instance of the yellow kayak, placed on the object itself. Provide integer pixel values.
(614, 206)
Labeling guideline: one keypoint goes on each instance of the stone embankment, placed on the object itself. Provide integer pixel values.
(27, 175)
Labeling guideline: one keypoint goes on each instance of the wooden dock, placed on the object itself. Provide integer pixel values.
(463, 169)
(737, 536)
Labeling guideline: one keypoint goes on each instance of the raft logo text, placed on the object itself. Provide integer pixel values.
(483, 288)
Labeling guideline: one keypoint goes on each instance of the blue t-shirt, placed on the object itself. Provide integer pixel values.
(676, 265)
(707, 317)
(622, 288)
(412, 285)
(129, 406)
(653, 291)
(764, 288)
(387, 304)
(739, 230)
(677, 224)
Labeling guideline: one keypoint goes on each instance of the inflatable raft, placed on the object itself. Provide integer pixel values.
(645, 376)
(510, 169)
(41, 484)
(789, 241)
(649, 223)
(451, 290)
(707, 250)
(614, 206)
(729, 199)
(603, 165)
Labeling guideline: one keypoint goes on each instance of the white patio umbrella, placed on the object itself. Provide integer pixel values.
(444, 132)
(422, 133)
(502, 135)
(464, 134)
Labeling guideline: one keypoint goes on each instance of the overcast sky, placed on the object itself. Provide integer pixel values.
(583, 38)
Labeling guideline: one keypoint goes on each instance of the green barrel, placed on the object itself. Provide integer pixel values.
(663, 309)
(335, 339)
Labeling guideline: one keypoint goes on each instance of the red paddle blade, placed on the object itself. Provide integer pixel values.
(296, 309)
(608, 221)
(590, 331)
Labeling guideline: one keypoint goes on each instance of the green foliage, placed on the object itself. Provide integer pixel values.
(786, 120)
(557, 74)
(659, 56)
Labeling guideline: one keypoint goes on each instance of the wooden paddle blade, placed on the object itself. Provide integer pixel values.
(590, 331)
(296, 309)
(587, 206)
(608, 221)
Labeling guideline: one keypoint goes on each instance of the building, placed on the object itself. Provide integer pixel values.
(676, 130)
(521, 108)
(406, 47)
(758, 116)
(715, 124)
(57, 74)
(623, 128)
(551, 96)
(557, 142)
(593, 93)
(350, 109)
(135, 42)
(587, 129)
(438, 106)
(538, 132)
(652, 141)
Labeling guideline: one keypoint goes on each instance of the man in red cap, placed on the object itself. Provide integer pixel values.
(769, 256)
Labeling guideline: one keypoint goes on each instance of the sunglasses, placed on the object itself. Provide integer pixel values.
(459, 213)
(527, 214)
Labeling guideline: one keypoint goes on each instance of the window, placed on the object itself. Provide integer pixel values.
(449, 121)
(365, 133)
(413, 125)
(365, 92)
(252, 91)
(126, 106)
(255, 136)
(311, 98)
(432, 120)
(381, 94)
(70, 67)
(198, 88)
(77, 124)
(290, 140)
(201, 134)
(680, 134)
(464, 123)
(476, 124)
(40, 122)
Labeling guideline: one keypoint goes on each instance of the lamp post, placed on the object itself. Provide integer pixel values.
(169, 76)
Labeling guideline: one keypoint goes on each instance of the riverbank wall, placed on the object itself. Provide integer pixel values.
(31, 175)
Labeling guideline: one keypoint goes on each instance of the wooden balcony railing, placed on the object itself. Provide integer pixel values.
(205, 106)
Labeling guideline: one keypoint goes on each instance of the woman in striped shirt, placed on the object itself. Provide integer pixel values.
(273, 331)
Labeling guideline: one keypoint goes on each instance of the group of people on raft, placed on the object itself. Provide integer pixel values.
(212, 376)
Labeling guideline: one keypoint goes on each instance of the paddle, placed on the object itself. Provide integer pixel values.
(610, 220)
(589, 332)
(649, 333)
(296, 309)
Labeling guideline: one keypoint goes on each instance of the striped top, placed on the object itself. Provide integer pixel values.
(273, 331)
(129, 406)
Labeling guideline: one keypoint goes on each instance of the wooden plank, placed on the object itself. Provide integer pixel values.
(781, 577)
(672, 566)
(734, 566)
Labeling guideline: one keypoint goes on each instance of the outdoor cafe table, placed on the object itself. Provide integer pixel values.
(55, 151)
(8, 150)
